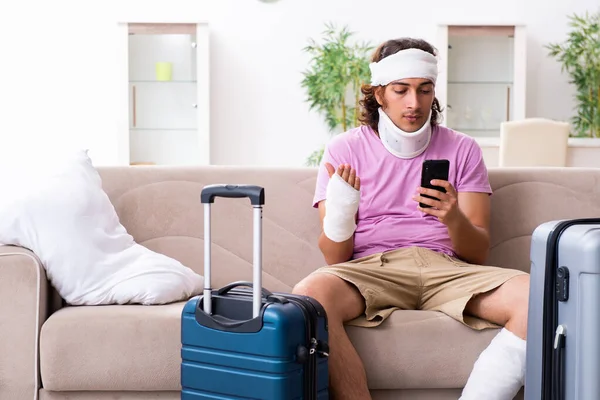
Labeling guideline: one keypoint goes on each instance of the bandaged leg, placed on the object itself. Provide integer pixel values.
(499, 372)
(342, 204)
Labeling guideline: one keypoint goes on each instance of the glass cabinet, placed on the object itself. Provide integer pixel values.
(482, 77)
(167, 94)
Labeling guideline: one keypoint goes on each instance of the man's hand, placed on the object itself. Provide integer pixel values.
(468, 226)
(347, 173)
(446, 208)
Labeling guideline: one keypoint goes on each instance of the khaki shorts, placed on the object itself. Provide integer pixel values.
(418, 279)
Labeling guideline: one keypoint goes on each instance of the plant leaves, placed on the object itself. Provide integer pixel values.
(336, 72)
(579, 56)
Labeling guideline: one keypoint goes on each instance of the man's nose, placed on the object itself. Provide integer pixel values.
(412, 100)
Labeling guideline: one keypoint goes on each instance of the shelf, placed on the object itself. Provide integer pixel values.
(480, 83)
(477, 129)
(475, 132)
(142, 81)
(163, 129)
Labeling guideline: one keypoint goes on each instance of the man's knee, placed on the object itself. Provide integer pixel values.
(519, 304)
(340, 299)
(519, 293)
(322, 287)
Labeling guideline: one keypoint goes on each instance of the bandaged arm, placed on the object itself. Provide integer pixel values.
(342, 202)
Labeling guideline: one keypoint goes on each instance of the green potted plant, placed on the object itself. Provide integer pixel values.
(580, 57)
(337, 70)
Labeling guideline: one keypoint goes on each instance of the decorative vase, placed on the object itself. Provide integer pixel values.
(164, 71)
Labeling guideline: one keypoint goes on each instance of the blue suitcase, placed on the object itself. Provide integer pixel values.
(563, 331)
(241, 343)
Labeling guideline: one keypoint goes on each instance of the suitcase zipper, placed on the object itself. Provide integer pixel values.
(310, 375)
(558, 365)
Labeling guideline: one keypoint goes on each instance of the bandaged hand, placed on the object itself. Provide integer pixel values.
(343, 197)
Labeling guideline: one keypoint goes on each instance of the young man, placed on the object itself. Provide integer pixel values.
(384, 252)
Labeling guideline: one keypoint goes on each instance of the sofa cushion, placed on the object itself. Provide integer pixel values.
(138, 348)
(161, 209)
(419, 349)
(127, 347)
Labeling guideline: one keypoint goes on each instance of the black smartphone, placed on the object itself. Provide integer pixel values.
(434, 169)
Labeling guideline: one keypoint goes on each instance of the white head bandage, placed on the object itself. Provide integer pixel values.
(409, 63)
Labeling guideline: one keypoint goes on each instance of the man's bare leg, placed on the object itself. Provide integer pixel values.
(342, 302)
(499, 372)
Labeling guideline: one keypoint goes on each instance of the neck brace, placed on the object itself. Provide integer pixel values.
(403, 144)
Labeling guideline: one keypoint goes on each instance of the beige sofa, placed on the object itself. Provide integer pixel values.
(133, 352)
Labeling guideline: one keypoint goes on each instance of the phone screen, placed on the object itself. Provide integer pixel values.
(434, 169)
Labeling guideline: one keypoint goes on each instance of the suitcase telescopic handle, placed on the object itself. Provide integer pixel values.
(256, 194)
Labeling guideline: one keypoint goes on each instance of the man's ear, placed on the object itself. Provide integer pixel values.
(378, 92)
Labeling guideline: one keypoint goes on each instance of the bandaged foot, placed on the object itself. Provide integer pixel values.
(499, 372)
(342, 204)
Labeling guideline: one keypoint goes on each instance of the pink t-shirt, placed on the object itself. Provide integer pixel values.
(387, 215)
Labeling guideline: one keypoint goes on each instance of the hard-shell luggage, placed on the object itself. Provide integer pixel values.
(563, 333)
(244, 342)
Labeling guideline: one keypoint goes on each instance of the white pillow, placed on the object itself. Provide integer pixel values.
(54, 205)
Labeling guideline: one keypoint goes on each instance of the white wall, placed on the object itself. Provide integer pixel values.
(58, 65)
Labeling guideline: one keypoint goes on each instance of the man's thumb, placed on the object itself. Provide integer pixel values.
(330, 169)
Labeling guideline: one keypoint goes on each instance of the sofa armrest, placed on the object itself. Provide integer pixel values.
(23, 310)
